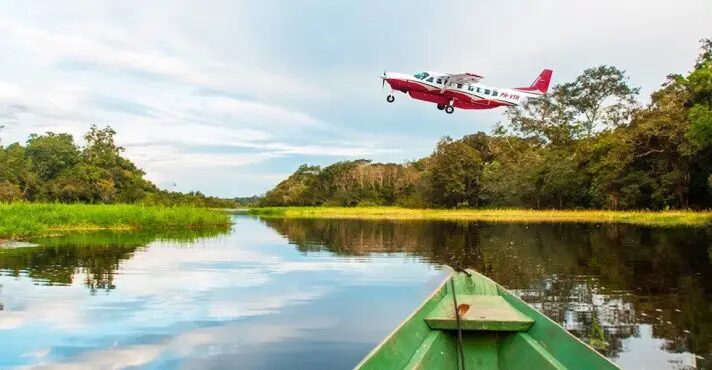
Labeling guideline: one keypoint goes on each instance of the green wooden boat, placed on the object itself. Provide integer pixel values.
(496, 331)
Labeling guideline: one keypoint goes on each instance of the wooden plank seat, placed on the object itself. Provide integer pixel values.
(478, 312)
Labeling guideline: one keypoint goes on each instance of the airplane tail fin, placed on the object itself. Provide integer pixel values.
(540, 85)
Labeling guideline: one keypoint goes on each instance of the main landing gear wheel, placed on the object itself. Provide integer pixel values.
(441, 106)
(449, 109)
(390, 98)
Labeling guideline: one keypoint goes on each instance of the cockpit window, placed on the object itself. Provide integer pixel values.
(422, 75)
(430, 79)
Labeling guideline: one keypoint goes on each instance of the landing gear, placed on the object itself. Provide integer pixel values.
(441, 106)
(449, 109)
(390, 98)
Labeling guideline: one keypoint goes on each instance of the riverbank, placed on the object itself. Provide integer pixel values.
(18, 220)
(662, 218)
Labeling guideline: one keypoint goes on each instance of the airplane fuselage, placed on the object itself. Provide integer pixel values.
(439, 88)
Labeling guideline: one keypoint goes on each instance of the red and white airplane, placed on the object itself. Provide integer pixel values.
(463, 90)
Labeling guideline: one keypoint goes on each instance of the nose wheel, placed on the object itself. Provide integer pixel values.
(390, 98)
(449, 109)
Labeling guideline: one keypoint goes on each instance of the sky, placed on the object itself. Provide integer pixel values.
(230, 97)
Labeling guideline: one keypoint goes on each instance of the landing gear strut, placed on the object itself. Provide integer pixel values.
(441, 106)
(449, 109)
(390, 98)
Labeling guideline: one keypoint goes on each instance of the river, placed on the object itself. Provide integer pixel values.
(308, 294)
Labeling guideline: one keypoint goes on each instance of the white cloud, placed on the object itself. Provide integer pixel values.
(247, 76)
(106, 47)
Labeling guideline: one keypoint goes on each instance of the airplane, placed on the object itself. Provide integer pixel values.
(462, 90)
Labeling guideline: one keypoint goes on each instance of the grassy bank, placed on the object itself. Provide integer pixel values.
(33, 219)
(663, 218)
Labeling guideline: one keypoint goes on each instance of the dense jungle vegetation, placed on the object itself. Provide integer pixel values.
(588, 144)
(51, 168)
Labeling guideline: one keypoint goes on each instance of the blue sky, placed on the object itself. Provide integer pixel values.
(230, 97)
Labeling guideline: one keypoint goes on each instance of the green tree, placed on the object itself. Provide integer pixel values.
(9, 192)
(548, 119)
(295, 189)
(455, 173)
(699, 84)
(16, 169)
(51, 154)
(100, 149)
(600, 97)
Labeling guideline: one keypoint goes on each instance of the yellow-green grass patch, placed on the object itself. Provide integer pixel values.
(651, 218)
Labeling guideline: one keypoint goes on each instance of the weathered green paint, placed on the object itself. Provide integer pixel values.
(480, 350)
(436, 352)
(486, 312)
(500, 332)
(521, 351)
(566, 348)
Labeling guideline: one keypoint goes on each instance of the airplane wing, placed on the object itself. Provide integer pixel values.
(463, 78)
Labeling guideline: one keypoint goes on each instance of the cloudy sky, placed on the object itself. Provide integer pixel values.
(229, 97)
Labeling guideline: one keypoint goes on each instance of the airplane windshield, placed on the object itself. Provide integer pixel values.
(422, 75)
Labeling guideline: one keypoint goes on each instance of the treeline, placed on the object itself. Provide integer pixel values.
(52, 168)
(586, 145)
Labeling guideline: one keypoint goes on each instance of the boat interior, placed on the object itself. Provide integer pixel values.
(497, 330)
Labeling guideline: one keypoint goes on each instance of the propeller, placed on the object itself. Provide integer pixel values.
(383, 79)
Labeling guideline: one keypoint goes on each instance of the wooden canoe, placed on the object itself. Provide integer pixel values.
(498, 331)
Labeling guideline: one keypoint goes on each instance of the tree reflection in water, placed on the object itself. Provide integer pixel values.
(95, 255)
(624, 276)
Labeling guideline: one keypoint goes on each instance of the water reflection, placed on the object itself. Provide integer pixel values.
(301, 294)
(245, 298)
(618, 277)
(96, 255)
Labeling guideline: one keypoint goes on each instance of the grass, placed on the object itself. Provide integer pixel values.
(651, 218)
(19, 220)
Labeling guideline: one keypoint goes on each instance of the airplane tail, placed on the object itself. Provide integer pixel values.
(540, 85)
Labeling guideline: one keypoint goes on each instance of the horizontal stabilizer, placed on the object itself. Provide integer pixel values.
(540, 85)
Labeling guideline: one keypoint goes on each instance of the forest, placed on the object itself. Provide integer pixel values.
(51, 168)
(588, 144)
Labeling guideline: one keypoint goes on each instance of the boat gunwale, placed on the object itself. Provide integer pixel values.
(383, 342)
(502, 292)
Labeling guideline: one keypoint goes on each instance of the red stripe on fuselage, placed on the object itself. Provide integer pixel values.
(422, 91)
(436, 98)
(475, 100)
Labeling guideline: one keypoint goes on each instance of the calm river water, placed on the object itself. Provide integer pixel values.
(319, 294)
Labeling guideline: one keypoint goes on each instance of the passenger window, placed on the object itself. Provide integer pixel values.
(439, 81)
(487, 92)
(430, 79)
(459, 86)
(471, 88)
(478, 89)
(494, 93)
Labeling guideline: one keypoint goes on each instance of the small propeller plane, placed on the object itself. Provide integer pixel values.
(462, 90)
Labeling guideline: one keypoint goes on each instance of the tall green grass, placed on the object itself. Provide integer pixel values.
(662, 218)
(36, 219)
